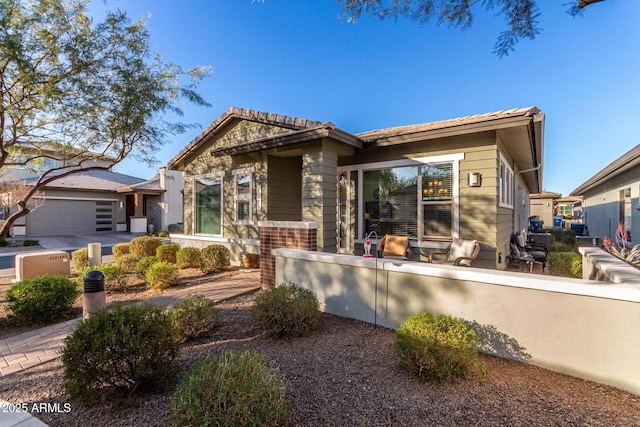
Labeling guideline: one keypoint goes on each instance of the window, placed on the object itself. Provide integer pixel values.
(625, 209)
(390, 201)
(437, 197)
(207, 194)
(505, 183)
(242, 195)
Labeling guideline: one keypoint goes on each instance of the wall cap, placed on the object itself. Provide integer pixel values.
(289, 224)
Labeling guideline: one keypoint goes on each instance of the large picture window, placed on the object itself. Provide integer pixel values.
(242, 196)
(207, 193)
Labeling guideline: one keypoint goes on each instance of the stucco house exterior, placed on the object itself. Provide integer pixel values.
(543, 206)
(468, 177)
(97, 201)
(610, 197)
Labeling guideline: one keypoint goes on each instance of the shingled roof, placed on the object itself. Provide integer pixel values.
(97, 180)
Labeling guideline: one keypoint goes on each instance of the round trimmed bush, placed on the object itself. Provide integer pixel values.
(80, 259)
(214, 258)
(127, 262)
(167, 252)
(125, 350)
(120, 249)
(436, 347)
(41, 299)
(115, 277)
(188, 258)
(286, 311)
(565, 264)
(143, 265)
(193, 317)
(161, 275)
(235, 389)
(144, 246)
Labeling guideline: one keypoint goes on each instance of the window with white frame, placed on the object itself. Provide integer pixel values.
(505, 183)
(242, 179)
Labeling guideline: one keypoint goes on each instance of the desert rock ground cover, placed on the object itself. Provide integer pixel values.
(346, 374)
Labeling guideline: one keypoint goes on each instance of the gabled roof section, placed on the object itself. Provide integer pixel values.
(150, 186)
(621, 164)
(92, 180)
(293, 123)
(545, 195)
(449, 123)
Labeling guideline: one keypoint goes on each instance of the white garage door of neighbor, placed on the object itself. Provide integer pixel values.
(66, 217)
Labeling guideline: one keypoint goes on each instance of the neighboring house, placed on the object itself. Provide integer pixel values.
(468, 177)
(569, 208)
(610, 197)
(100, 201)
(542, 206)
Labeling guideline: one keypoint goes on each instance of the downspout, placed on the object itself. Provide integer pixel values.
(519, 173)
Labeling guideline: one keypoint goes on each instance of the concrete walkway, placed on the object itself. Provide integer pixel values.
(42, 345)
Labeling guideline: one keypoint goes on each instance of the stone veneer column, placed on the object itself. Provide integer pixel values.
(283, 234)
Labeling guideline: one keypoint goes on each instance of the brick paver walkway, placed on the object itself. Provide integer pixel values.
(42, 345)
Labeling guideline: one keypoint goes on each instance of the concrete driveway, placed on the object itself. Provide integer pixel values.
(81, 240)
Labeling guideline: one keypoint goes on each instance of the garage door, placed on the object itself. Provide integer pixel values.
(64, 217)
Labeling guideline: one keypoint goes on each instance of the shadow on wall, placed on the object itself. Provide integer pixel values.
(492, 341)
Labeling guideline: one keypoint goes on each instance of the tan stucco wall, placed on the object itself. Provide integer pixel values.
(582, 328)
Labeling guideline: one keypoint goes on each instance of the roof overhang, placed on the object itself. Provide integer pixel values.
(625, 162)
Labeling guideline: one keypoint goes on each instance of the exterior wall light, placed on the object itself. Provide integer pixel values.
(475, 179)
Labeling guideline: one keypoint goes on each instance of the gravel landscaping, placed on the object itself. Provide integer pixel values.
(347, 374)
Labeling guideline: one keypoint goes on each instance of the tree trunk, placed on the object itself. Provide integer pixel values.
(6, 225)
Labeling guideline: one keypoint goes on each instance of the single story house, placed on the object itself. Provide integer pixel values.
(467, 177)
(610, 197)
(102, 201)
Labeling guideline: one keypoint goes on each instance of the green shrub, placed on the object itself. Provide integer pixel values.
(557, 233)
(120, 249)
(167, 252)
(80, 258)
(193, 317)
(236, 389)
(161, 275)
(436, 347)
(115, 277)
(41, 299)
(569, 237)
(30, 242)
(561, 248)
(127, 262)
(286, 311)
(143, 265)
(128, 349)
(188, 258)
(144, 246)
(565, 264)
(214, 258)
(3, 243)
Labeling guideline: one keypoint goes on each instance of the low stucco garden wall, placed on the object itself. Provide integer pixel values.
(582, 328)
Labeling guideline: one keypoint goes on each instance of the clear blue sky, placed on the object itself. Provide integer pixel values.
(297, 58)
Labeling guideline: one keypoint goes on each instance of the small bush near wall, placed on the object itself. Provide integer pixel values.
(287, 311)
(41, 299)
(565, 264)
(214, 258)
(161, 275)
(144, 246)
(193, 317)
(235, 389)
(125, 350)
(167, 252)
(143, 265)
(188, 257)
(80, 259)
(127, 262)
(436, 347)
(119, 250)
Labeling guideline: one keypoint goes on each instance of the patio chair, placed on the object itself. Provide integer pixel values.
(394, 247)
(459, 252)
(538, 250)
(518, 257)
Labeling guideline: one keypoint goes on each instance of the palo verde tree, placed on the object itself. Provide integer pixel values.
(521, 15)
(78, 91)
